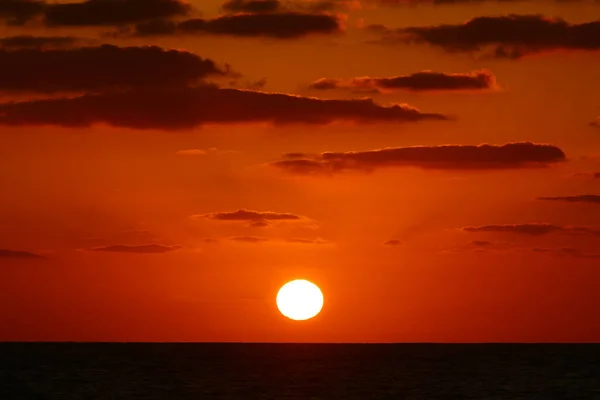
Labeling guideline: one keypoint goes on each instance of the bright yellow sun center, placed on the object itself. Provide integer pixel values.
(300, 300)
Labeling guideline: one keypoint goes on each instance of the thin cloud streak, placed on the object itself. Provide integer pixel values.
(511, 36)
(248, 215)
(533, 229)
(141, 249)
(19, 255)
(448, 157)
(417, 82)
(584, 198)
(101, 68)
(284, 25)
(182, 108)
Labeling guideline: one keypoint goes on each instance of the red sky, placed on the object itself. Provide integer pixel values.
(167, 166)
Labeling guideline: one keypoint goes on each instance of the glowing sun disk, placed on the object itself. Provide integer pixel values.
(299, 300)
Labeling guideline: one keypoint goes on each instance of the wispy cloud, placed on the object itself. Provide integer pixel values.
(457, 157)
(140, 249)
(534, 229)
(420, 81)
(101, 68)
(16, 254)
(509, 36)
(583, 198)
(181, 108)
(280, 25)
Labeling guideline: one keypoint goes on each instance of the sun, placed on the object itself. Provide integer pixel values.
(299, 300)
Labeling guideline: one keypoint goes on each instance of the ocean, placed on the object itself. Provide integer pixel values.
(131, 371)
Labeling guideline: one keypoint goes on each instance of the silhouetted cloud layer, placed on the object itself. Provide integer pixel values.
(5, 253)
(392, 242)
(252, 6)
(249, 239)
(100, 68)
(566, 251)
(91, 12)
(282, 25)
(584, 198)
(307, 241)
(185, 108)
(535, 229)
(142, 249)
(110, 12)
(420, 81)
(511, 36)
(18, 12)
(587, 175)
(247, 215)
(262, 239)
(40, 42)
(511, 155)
(270, 6)
(458, 2)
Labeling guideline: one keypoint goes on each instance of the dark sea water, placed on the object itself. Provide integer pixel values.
(299, 371)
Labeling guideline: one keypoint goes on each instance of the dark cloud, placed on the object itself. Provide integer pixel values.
(550, 251)
(270, 6)
(142, 249)
(458, 2)
(586, 175)
(295, 156)
(282, 25)
(595, 123)
(256, 219)
(463, 157)
(445, 2)
(303, 167)
(511, 36)
(185, 108)
(329, 83)
(155, 27)
(247, 215)
(112, 12)
(307, 241)
(261, 239)
(392, 242)
(249, 239)
(584, 198)
(255, 85)
(327, 5)
(100, 68)
(259, 224)
(5, 253)
(18, 12)
(420, 81)
(252, 6)
(211, 151)
(566, 252)
(40, 42)
(481, 246)
(536, 229)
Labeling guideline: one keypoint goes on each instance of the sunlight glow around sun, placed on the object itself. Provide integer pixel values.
(299, 300)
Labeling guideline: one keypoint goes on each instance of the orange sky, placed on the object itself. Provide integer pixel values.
(92, 184)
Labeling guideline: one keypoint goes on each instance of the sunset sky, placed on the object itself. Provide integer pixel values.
(432, 165)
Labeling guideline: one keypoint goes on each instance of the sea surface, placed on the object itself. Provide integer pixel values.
(299, 371)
